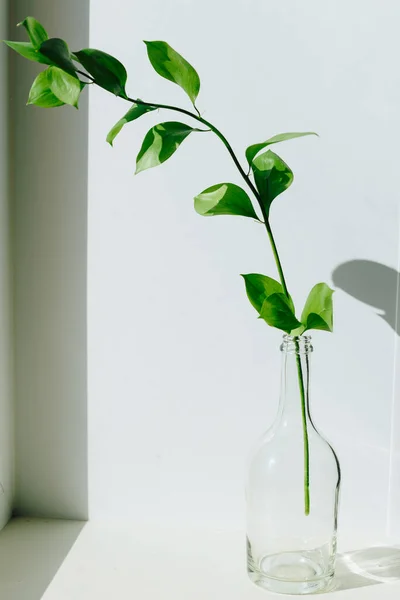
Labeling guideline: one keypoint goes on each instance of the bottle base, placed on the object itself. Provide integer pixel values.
(291, 573)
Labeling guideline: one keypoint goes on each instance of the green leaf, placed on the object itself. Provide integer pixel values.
(107, 71)
(36, 31)
(172, 66)
(318, 309)
(41, 94)
(160, 143)
(272, 177)
(253, 150)
(259, 287)
(133, 113)
(65, 87)
(57, 51)
(277, 312)
(26, 50)
(224, 199)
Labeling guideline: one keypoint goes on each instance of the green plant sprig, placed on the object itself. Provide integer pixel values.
(59, 84)
(244, 175)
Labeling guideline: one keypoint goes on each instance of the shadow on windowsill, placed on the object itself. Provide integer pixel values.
(370, 566)
(31, 553)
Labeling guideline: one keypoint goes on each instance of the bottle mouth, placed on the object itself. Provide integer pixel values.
(296, 344)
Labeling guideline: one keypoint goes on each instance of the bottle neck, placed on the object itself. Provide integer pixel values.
(295, 381)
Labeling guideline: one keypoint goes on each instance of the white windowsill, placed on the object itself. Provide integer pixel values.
(69, 560)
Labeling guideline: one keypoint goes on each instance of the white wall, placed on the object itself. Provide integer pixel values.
(182, 376)
(50, 215)
(6, 354)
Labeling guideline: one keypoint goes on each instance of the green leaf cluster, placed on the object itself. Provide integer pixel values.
(277, 309)
(268, 175)
(61, 84)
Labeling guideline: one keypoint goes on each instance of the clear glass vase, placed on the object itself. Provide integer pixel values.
(292, 490)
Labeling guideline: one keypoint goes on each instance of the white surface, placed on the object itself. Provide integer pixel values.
(50, 179)
(43, 559)
(31, 552)
(6, 316)
(110, 561)
(182, 376)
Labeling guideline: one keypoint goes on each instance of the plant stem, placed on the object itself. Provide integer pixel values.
(276, 256)
(305, 432)
(85, 75)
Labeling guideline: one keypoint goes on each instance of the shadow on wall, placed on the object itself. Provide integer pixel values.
(370, 566)
(372, 283)
(31, 552)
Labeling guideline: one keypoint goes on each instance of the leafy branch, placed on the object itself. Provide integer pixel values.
(267, 176)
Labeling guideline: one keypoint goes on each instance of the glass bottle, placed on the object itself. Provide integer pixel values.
(292, 490)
